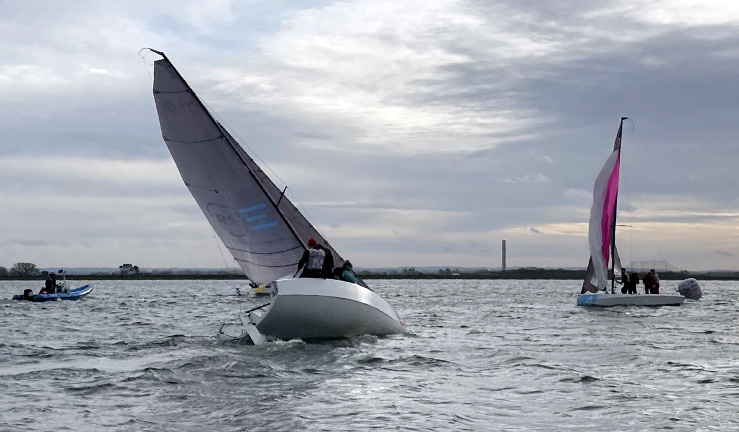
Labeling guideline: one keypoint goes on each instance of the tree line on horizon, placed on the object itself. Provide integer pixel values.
(21, 269)
(25, 270)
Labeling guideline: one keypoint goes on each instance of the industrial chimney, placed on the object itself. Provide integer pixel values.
(503, 266)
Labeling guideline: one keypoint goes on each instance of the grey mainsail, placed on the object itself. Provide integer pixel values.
(263, 230)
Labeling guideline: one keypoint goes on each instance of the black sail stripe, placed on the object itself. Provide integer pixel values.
(267, 266)
(263, 253)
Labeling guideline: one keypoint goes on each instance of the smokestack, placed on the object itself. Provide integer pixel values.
(503, 266)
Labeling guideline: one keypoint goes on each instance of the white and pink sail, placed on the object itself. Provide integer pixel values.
(601, 234)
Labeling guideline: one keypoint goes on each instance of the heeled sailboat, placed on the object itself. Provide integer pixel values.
(261, 228)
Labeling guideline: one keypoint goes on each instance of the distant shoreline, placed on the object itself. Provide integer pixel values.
(545, 274)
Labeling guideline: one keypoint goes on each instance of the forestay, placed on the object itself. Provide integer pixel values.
(262, 229)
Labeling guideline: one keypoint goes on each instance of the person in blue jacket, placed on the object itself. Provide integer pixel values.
(347, 274)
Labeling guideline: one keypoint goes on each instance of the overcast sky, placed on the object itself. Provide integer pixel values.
(413, 133)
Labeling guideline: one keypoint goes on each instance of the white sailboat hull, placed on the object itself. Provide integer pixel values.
(308, 308)
(607, 300)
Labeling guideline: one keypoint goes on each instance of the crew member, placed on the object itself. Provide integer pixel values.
(54, 285)
(633, 281)
(327, 270)
(648, 283)
(655, 284)
(312, 261)
(624, 281)
(347, 272)
(48, 286)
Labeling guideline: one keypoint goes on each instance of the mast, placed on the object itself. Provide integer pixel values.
(617, 146)
(229, 140)
(613, 250)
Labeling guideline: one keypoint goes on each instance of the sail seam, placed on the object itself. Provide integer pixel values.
(207, 189)
(264, 265)
(193, 142)
(170, 92)
(263, 253)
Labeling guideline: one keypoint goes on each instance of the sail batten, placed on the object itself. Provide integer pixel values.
(244, 207)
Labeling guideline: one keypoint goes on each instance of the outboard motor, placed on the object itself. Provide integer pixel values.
(28, 294)
(690, 289)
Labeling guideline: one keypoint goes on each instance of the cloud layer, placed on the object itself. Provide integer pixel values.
(413, 133)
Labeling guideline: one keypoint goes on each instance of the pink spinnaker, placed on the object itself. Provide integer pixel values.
(602, 219)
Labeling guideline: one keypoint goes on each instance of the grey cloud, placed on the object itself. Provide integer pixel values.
(23, 242)
(528, 179)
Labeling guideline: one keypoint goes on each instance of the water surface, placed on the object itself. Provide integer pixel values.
(482, 355)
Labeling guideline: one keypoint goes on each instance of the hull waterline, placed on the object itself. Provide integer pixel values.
(608, 300)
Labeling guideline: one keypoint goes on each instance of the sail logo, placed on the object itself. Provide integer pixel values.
(227, 219)
(241, 221)
(255, 220)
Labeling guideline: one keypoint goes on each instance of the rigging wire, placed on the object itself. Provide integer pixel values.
(218, 245)
(254, 154)
(657, 230)
(146, 65)
(231, 130)
(629, 215)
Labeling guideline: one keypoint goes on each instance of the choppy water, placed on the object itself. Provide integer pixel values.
(484, 355)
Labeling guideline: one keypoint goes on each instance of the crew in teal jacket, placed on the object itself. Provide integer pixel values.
(348, 274)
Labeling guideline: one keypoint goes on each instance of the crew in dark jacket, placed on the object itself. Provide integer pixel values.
(648, 283)
(624, 281)
(633, 281)
(48, 286)
(328, 263)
